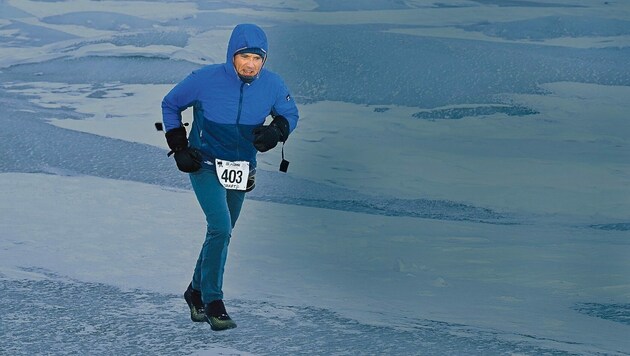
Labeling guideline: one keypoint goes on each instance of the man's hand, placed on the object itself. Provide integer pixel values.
(176, 139)
(267, 137)
(187, 158)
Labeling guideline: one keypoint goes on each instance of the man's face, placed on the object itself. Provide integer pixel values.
(248, 64)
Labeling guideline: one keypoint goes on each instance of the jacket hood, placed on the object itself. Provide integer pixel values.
(246, 36)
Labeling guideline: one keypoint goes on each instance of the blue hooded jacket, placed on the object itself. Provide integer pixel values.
(225, 108)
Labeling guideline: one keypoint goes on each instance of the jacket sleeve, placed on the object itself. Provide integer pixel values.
(285, 106)
(181, 97)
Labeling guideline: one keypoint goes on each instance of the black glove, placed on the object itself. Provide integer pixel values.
(187, 158)
(267, 137)
(176, 139)
(251, 181)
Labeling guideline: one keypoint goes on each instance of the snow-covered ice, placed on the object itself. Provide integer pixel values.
(459, 180)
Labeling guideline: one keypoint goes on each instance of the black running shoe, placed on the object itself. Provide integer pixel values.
(217, 317)
(193, 298)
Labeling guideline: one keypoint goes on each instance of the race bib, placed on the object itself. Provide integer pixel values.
(232, 175)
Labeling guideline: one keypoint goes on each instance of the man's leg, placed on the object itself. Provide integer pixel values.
(218, 205)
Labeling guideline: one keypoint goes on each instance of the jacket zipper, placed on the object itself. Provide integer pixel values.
(238, 121)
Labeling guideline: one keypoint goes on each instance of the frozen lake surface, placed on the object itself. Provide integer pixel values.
(59, 315)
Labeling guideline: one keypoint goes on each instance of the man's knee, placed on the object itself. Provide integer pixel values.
(215, 232)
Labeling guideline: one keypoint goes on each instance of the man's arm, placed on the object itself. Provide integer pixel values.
(182, 96)
(285, 106)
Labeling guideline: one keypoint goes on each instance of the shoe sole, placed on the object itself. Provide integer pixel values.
(220, 325)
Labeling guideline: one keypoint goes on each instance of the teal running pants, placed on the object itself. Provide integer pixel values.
(222, 208)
